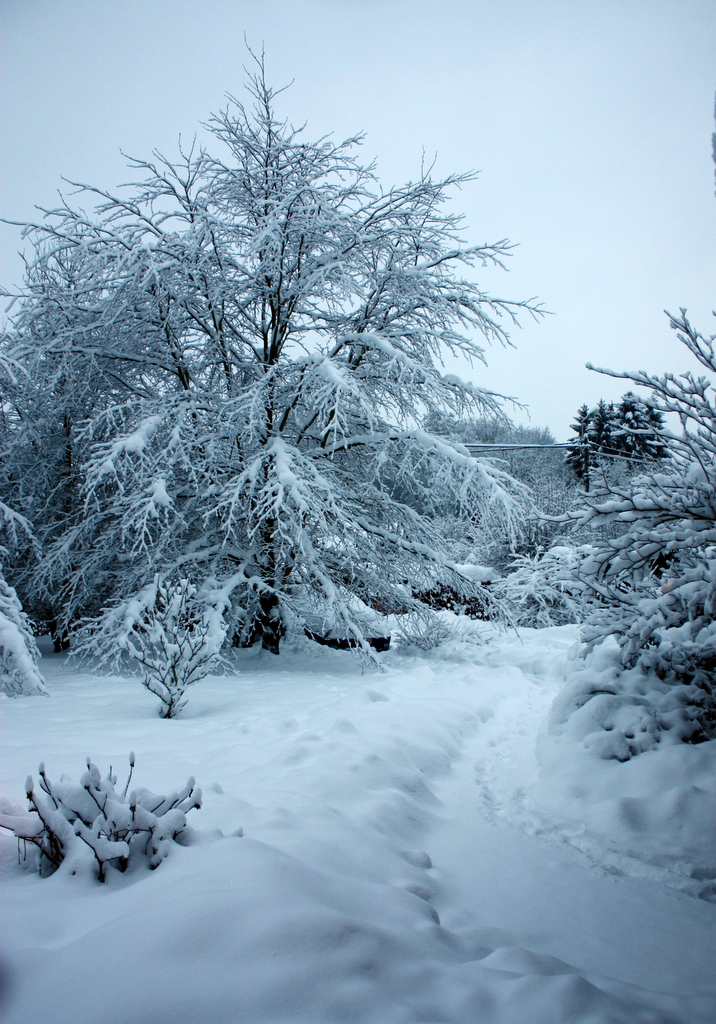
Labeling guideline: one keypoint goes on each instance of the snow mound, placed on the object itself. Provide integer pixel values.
(613, 760)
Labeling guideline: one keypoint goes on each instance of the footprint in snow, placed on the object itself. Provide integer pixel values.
(287, 725)
(375, 696)
(344, 726)
(418, 858)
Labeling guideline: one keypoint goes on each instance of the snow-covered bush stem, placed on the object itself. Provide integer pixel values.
(174, 640)
(91, 822)
(264, 333)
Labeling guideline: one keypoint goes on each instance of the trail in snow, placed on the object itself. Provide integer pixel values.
(534, 885)
(400, 859)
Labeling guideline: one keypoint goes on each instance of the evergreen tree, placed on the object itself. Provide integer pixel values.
(580, 455)
(637, 429)
(602, 426)
(19, 655)
(630, 430)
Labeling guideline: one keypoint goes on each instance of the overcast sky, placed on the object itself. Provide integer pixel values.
(590, 123)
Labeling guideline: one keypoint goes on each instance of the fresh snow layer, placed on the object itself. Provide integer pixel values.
(419, 844)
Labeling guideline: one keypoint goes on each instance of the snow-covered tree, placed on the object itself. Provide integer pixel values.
(609, 432)
(656, 579)
(637, 427)
(18, 651)
(265, 331)
(49, 392)
(580, 456)
(528, 455)
(602, 425)
(595, 438)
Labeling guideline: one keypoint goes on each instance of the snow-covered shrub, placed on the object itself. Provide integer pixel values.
(543, 589)
(18, 650)
(618, 713)
(90, 822)
(424, 632)
(175, 641)
(656, 579)
(666, 626)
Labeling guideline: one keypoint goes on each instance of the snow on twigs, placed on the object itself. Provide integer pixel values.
(544, 589)
(174, 639)
(89, 825)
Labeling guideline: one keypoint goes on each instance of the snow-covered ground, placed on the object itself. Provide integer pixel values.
(418, 845)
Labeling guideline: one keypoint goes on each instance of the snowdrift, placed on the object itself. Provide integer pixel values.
(421, 844)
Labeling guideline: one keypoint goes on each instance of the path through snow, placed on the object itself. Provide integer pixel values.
(400, 861)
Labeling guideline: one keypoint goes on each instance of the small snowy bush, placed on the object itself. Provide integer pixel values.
(78, 824)
(175, 640)
(543, 589)
(18, 650)
(424, 632)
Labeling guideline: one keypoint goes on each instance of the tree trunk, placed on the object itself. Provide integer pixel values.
(270, 621)
(60, 640)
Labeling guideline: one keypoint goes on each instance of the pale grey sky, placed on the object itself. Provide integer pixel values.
(589, 122)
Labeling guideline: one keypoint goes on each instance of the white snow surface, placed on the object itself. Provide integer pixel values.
(419, 844)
